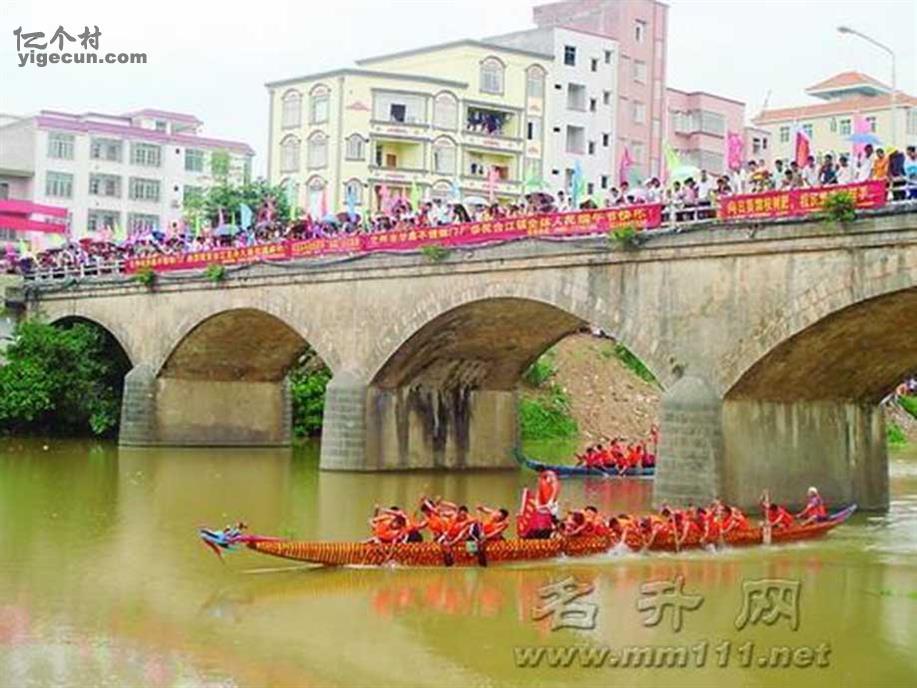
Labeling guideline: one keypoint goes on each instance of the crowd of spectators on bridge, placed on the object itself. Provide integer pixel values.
(684, 199)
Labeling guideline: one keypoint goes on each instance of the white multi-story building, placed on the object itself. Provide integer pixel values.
(115, 171)
(582, 102)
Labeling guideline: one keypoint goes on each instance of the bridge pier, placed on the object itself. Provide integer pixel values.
(370, 428)
(735, 448)
(193, 412)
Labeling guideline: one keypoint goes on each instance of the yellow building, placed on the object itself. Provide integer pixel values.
(829, 124)
(448, 120)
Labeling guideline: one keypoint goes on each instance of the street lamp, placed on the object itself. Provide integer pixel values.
(894, 101)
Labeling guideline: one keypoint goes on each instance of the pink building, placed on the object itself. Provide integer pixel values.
(697, 128)
(640, 27)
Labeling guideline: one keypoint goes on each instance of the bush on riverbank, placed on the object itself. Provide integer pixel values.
(307, 388)
(547, 417)
(895, 435)
(61, 380)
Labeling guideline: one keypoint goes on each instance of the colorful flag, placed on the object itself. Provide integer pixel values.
(578, 185)
(735, 150)
(415, 196)
(532, 181)
(672, 160)
(351, 201)
(492, 176)
(324, 208)
(803, 148)
(245, 216)
(860, 126)
(624, 165)
(385, 198)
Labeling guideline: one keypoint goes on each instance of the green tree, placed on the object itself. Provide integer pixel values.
(228, 197)
(308, 381)
(61, 380)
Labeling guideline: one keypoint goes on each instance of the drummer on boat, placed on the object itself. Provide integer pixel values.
(814, 510)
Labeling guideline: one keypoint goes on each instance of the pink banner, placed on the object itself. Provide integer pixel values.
(22, 223)
(15, 207)
(582, 222)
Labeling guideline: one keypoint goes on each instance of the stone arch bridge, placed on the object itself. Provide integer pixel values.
(774, 345)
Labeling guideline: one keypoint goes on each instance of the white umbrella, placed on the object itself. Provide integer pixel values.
(475, 200)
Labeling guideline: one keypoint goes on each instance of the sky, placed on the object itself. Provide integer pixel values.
(212, 59)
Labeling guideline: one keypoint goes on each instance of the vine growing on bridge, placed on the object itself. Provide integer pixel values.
(840, 207)
(626, 237)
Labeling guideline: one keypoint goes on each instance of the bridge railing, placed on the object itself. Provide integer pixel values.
(675, 217)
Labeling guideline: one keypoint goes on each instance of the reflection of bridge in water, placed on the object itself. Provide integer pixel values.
(774, 344)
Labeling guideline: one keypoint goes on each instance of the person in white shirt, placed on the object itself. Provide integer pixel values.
(704, 187)
(865, 164)
(844, 171)
(563, 203)
(810, 172)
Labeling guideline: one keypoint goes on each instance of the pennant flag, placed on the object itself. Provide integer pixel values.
(860, 127)
(624, 165)
(415, 196)
(351, 201)
(735, 150)
(23, 248)
(384, 199)
(324, 207)
(532, 181)
(492, 184)
(120, 232)
(245, 216)
(578, 184)
(292, 194)
(803, 147)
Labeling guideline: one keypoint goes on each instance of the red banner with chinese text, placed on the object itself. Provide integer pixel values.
(580, 223)
(795, 202)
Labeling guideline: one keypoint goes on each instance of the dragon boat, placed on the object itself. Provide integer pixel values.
(431, 554)
(564, 471)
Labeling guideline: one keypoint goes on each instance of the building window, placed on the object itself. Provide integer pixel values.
(192, 193)
(607, 57)
(444, 157)
(291, 110)
(317, 154)
(535, 82)
(832, 125)
(606, 97)
(445, 111)
(639, 31)
(60, 146)
(354, 189)
(143, 189)
(606, 139)
(492, 76)
(639, 112)
(604, 181)
(318, 105)
(4, 192)
(194, 160)
(161, 125)
(98, 220)
(569, 56)
(59, 185)
(356, 147)
(289, 155)
(591, 148)
(594, 64)
(400, 108)
(593, 103)
(576, 97)
(807, 130)
(146, 154)
(105, 149)
(784, 134)
(639, 71)
(105, 185)
(576, 140)
(533, 129)
(139, 222)
(845, 127)
(871, 121)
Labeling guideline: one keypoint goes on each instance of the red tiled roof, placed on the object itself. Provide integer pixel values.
(845, 80)
(834, 107)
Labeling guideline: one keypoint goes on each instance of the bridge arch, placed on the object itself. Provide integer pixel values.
(567, 310)
(112, 331)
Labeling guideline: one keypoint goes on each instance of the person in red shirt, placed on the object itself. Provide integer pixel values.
(778, 517)
(493, 522)
(389, 526)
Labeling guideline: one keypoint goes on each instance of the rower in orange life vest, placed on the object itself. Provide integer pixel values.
(815, 509)
(492, 523)
(389, 526)
(438, 514)
(775, 515)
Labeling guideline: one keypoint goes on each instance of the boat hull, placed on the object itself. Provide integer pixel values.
(563, 471)
(508, 551)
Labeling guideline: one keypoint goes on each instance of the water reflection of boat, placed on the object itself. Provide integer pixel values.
(504, 551)
(564, 471)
